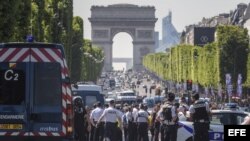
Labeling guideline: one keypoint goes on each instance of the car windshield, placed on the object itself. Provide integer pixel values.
(127, 94)
(227, 118)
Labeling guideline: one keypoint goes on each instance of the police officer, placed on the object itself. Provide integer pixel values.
(130, 120)
(111, 116)
(199, 114)
(142, 123)
(92, 132)
(168, 117)
(79, 119)
(99, 128)
(133, 132)
(125, 122)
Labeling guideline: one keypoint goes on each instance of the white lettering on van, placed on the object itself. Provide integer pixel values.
(10, 75)
(11, 116)
(49, 129)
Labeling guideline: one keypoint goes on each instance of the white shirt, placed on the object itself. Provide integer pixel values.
(142, 116)
(129, 116)
(183, 108)
(134, 113)
(111, 114)
(96, 113)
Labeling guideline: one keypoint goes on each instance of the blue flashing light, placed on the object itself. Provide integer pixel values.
(29, 38)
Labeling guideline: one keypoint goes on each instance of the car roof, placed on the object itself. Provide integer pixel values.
(83, 87)
(229, 111)
(127, 91)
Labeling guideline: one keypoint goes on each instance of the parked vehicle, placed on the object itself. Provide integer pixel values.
(35, 95)
(219, 118)
(89, 93)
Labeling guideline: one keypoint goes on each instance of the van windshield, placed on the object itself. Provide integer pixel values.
(47, 84)
(90, 97)
(12, 83)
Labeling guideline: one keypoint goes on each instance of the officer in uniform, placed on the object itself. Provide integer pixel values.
(79, 119)
(169, 118)
(133, 133)
(99, 128)
(130, 120)
(199, 114)
(142, 123)
(111, 116)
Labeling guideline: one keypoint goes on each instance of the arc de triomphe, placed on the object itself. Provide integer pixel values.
(137, 21)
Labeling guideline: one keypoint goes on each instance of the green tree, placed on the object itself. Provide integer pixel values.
(233, 42)
(9, 19)
(77, 52)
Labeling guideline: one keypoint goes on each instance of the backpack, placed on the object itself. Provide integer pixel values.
(167, 112)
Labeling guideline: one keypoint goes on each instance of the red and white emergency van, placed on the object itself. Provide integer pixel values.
(35, 93)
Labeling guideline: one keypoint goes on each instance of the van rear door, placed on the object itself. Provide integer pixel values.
(33, 94)
(13, 96)
(46, 98)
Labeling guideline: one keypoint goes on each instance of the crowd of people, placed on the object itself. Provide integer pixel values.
(135, 123)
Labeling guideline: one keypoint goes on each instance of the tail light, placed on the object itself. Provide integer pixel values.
(69, 116)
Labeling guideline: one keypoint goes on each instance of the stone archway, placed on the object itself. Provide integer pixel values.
(137, 21)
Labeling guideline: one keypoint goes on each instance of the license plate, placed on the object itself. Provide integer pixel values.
(11, 126)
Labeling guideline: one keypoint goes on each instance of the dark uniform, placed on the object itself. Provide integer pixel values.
(200, 115)
(168, 117)
(79, 119)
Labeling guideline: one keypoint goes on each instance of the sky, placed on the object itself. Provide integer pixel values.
(184, 13)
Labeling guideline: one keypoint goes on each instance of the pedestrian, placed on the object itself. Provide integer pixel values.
(169, 118)
(133, 132)
(199, 114)
(125, 123)
(87, 122)
(155, 129)
(110, 115)
(99, 128)
(92, 132)
(142, 123)
(183, 106)
(130, 120)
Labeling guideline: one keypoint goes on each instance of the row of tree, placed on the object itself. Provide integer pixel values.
(208, 65)
(50, 21)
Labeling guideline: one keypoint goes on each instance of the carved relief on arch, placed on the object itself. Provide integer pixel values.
(145, 34)
(130, 31)
(100, 33)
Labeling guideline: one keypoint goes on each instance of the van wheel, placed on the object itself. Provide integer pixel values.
(190, 139)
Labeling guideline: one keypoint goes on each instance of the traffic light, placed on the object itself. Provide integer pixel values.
(189, 85)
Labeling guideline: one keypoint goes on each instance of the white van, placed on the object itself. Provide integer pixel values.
(89, 93)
